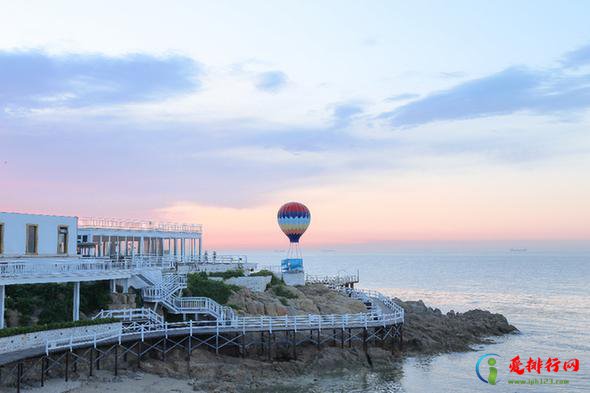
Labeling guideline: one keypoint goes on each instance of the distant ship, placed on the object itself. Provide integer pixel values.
(518, 250)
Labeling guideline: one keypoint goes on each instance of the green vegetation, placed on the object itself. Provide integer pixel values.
(284, 301)
(282, 291)
(13, 331)
(228, 274)
(274, 280)
(51, 303)
(200, 285)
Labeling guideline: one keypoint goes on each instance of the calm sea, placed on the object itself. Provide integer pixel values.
(545, 295)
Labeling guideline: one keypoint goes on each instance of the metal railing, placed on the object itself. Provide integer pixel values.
(132, 315)
(332, 280)
(166, 294)
(31, 267)
(237, 325)
(136, 225)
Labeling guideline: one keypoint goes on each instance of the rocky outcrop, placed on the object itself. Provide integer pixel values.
(308, 299)
(428, 330)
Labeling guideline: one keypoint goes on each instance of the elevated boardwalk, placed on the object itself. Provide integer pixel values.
(143, 333)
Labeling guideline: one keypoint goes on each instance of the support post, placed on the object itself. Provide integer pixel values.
(243, 344)
(189, 349)
(125, 285)
(365, 339)
(2, 300)
(76, 308)
(43, 360)
(319, 340)
(67, 373)
(19, 376)
(116, 360)
(91, 362)
(113, 284)
(294, 344)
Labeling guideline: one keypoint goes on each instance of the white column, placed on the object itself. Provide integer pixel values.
(200, 246)
(113, 286)
(2, 298)
(125, 285)
(182, 251)
(76, 310)
(140, 247)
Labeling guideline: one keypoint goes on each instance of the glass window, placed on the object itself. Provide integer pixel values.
(32, 239)
(62, 240)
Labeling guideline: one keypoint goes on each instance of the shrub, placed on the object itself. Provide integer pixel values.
(274, 280)
(13, 331)
(281, 290)
(200, 285)
(53, 302)
(228, 274)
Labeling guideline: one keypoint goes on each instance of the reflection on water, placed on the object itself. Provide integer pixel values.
(546, 296)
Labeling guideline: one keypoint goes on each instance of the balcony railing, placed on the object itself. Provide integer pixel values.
(136, 225)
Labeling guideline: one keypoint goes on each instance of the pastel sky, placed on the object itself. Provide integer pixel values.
(394, 122)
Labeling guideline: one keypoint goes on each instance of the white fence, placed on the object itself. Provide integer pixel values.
(137, 225)
(61, 269)
(393, 314)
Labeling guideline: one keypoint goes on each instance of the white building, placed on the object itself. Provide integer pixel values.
(147, 255)
(35, 235)
(114, 237)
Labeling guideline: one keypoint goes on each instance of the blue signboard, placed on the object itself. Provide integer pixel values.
(292, 264)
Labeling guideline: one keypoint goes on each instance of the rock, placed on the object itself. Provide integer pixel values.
(427, 330)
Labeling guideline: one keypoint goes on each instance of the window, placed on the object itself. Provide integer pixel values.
(1, 238)
(32, 239)
(62, 239)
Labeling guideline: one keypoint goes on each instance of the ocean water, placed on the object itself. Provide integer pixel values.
(545, 295)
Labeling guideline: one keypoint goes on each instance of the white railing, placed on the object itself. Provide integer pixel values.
(332, 280)
(131, 315)
(136, 225)
(240, 324)
(368, 295)
(172, 284)
(31, 267)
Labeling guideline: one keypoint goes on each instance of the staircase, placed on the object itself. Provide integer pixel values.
(168, 291)
(132, 315)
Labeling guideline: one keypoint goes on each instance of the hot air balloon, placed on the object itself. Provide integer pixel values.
(293, 219)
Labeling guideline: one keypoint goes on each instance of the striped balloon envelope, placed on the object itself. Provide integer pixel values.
(293, 218)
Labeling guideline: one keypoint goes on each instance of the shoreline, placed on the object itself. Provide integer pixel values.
(427, 332)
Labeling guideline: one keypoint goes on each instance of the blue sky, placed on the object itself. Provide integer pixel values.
(194, 109)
